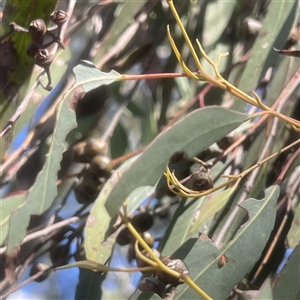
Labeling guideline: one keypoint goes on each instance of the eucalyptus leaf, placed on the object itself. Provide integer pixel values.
(88, 286)
(99, 220)
(293, 236)
(90, 77)
(178, 230)
(287, 283)
(192, 134)
(125, 18)
(202, 257)
(272, 34)
(44, 190)
(8, 206)
(211, 206)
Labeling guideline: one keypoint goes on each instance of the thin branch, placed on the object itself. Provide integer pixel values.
(21, 107)
(46, 231)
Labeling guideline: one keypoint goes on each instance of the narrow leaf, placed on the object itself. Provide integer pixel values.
(8, 206)
(44, 190)
(192, 134)
(271, 34)
(202, 257)
(211, 206)
(99, 220)
(293, 236)
(90, 77)
(287, 283)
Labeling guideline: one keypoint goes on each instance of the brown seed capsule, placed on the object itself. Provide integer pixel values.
(142, 221)
(44, 58)
(90, 181)
(59, 17)
(88, 189)
(200, 181)
(125, 237)
(37, 30)
(174, 264)
(95, 147)
(152, 285)
(101, 166)
(78, 153)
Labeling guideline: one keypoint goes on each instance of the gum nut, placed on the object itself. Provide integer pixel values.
(148, 238)
(101, 165)
(174, 264)
(95, 147)
(78, 152)
(85, 195)
(152, 285)
(142, 221)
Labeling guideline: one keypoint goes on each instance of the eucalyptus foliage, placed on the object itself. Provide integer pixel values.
(151, 101)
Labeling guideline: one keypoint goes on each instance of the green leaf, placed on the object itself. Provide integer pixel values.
(178, 230)
(8, 206)
(192, 134)
(90, 77)
(216, 10)
(44, 190)
(293, 236)
(211, 206)
(186, 215)
(89, 286)
(99, 220)
(125, 18)
(201, 256)
(272, 34)
(287, 283)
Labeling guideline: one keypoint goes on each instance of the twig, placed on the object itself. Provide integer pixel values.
(19, 286)
(201, 96)
(287, 166)
(49, 229)
(21, 108)
(15, 287)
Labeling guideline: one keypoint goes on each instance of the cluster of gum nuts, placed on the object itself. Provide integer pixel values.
(93, 153)
(158, 281)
